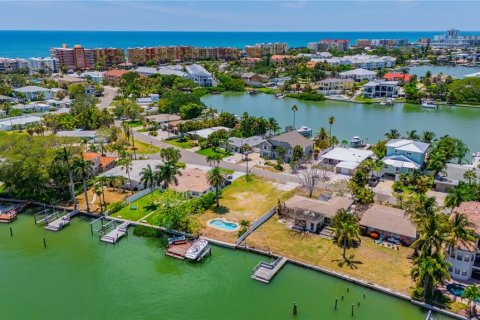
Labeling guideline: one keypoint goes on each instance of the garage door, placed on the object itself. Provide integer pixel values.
(344, 171)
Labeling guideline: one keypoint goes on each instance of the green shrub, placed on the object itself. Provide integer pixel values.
(142, 231)
(153, 133)
(117, 206)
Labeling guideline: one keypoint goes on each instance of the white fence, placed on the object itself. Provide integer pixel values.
(138, 195)
(257, 224)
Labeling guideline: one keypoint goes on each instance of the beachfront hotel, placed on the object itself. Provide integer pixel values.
(263, 49)
(80, 58)
(180, 53)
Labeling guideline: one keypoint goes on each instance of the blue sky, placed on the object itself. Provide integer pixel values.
(203, 15)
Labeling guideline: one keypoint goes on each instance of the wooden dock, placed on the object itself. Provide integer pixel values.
(264, 271)
(178, 249)
(58, 223)
(114, 235)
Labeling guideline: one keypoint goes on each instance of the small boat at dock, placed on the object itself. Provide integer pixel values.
(429, 104)
(252, 91)
(279, 96)
(182, 248)
(387, 102)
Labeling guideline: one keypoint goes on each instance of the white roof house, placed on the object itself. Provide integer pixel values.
(204, 133)
(135, 172)
(345, 160)
(408, 145)
(33, 92)
(358, 74)
(176, 70)
(8, 124)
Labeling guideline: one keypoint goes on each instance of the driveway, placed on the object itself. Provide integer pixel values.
(108, 94)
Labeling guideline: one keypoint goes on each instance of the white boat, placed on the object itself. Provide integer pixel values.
(357, 142)
(199, 249)
(279, 96)
(429, 104)
(386, 102)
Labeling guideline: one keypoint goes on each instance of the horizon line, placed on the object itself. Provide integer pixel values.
(230, 31)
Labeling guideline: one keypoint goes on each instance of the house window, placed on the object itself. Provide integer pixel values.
(464, 273)
(459, 256)
(409, 154)
(466, 257)
(457, 271)
(450, 268)
(265, 147)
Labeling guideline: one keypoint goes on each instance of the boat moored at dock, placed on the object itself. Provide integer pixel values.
(182, 248)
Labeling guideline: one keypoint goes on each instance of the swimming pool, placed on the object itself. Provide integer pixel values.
(223, 225)
(456, 289)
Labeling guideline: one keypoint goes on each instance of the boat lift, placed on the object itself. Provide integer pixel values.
(109, 231)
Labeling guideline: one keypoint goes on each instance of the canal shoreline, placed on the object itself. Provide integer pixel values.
(269, 254)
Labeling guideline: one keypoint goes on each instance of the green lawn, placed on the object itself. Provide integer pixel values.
(187, 144)
(143, 207)
(210, 152)
(145, 148)
(135, 124)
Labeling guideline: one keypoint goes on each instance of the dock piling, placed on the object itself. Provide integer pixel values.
(44, 242)
(358, 303)
(342, 297)
(348, 289)
(295, 309)
(353, 306)
(336, 301)
(11, 232)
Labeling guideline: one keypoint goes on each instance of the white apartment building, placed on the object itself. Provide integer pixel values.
(48, 65)
(358, 75)
(200, 76)
(8, 65)
(369, 62)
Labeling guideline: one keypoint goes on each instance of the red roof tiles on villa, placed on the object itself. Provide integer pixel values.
(471, 210)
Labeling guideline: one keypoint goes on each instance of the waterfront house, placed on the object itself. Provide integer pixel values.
(334, 86)
(272, 147)
(100, 163)
(463, 258)
(200, 76)
(6, 99)
(358, 75)
(32, 107)
(381, 89)
(345, 160)
(33, 93)
(162, 118)
(452, 175)
(388, 222)
(397, 77)
(193, 181)
(404, 156)
(235, 144)
(313, 214)
(204, 133)
(136, 168)
(114, 76)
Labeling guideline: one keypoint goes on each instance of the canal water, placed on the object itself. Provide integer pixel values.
(78, 277)
(457, 72)
(370, 121)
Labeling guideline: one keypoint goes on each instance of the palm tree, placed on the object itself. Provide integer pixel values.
(427, 136)
(126, 164)
(216, 178)
(166, 174)
(472, 294)
(459, 228)
(294, 108)
(170, 154)
(321, 134)
(65, 157)
(98, 189)
(455, 197)
(429, 272)
(148, 177)
(412, 135)
(470, 175)
(331, 121)
(392, 134)
(346, 230)
(214, 159)
(83, 169)
(273, 125)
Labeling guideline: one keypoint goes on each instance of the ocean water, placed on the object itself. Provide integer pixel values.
(25, 44)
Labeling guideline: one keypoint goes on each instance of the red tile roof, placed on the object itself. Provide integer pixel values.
(471, 210)
(115, 73)
(105, 161)
(398, 76)
(89, 156)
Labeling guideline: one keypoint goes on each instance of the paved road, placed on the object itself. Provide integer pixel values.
(108, 94)
(194, 158)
